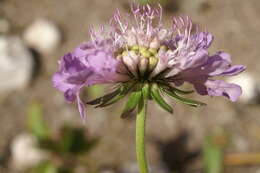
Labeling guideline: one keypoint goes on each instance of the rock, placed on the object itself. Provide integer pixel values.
(4, 25)
(24, 152)
(240, 143)
(107, 171)
(249, 87)
(43, 35)
(16, 64)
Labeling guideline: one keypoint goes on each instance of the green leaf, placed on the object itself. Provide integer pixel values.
(45, 167)
(35, 123)
(132, 102)
(159, 100)
(187, 101)
(212, 156)
(73, 141)
(105, 98)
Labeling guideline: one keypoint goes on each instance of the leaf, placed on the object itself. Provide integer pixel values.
(187, 101)
(212, 156)
(45, 167)
(159, 100)
(35, 123)
(73, 141)
(132, 102)
(105, 98)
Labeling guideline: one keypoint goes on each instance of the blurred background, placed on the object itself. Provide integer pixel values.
(41, 133)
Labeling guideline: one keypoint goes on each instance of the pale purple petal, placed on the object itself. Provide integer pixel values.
(87, 65)
(221, 88)
(204, 39)
(234, 70)
(81, 107)
(199, 58)
(59, 82)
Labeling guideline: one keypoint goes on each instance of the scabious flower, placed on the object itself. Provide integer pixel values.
(139, 52)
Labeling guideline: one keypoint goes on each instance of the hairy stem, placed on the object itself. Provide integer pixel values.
(140, 135)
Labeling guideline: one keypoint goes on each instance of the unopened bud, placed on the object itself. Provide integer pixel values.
(143, 64)
(153, 51)
(134, 56)
(135, 48)
(163, 48)
(125, 53)
(131, 65)
(152, 62)
(145, 53)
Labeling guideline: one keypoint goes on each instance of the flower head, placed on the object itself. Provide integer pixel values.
(142, 52)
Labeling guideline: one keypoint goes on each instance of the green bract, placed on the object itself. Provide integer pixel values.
(154, 91)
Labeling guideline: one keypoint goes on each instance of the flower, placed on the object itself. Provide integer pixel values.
(134, 53)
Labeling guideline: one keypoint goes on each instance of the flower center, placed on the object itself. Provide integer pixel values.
(140, 60)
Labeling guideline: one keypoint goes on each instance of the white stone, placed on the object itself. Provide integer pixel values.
(25, 153)
(43, 35)
(249, 87)
(16, 64)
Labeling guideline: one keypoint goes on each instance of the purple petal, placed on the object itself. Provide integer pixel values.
(198, 59)
(220, 88)
(59, 82)
(234, 70)
(204, 39)
(70, 95)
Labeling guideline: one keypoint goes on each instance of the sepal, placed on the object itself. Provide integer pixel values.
(155, 93)
(105, 98)
(134, 99)
(114, 96)
(125, 89)
(187, 101)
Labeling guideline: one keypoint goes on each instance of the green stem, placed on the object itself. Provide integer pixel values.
(140, 135)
